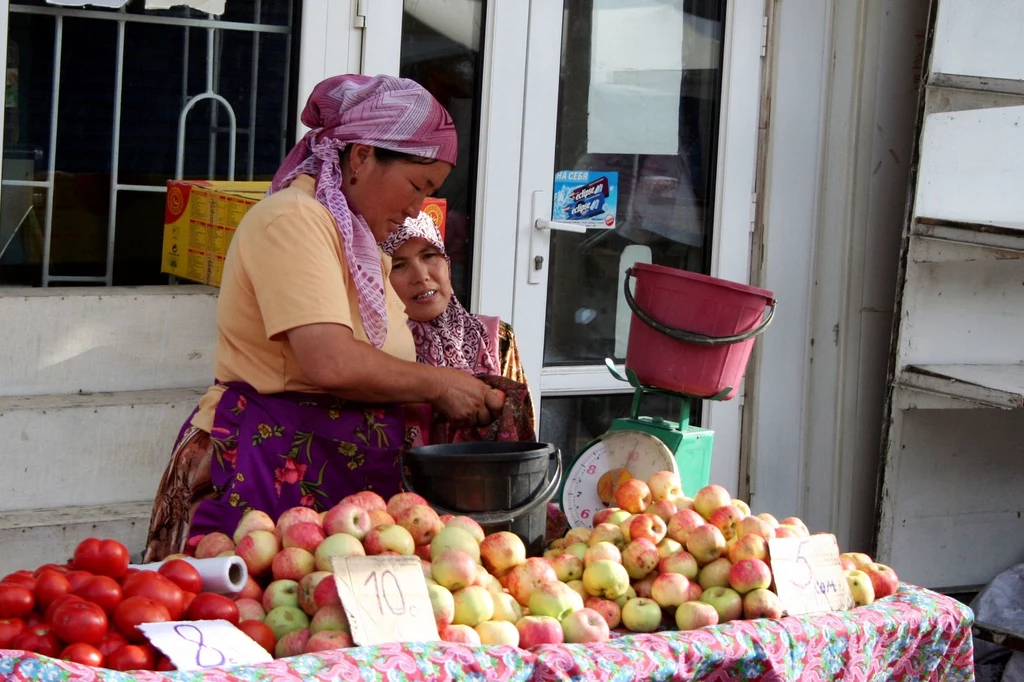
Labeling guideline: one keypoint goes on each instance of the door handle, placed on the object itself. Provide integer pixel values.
(560, 225)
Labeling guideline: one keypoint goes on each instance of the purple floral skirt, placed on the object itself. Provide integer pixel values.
(274, 452)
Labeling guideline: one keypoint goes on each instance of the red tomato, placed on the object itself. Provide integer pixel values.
(102, 591)
(39, 639)
(135, 610)
(60, 568)
(129, 574)
(23, 578)
(111, 641)
(183, 574)
(10, 628)
(80, 621)
(155, 586)
(56, 604)
(187, 601)
(209, 606)
(50, 585)
(102, 557)
(83, 653)
(130, 657)
(260, 633)
(164, 665)
(76, 578)
(15, 601)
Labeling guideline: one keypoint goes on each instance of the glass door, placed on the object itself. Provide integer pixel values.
(622, 163)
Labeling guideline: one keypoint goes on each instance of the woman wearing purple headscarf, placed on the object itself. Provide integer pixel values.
(448, 335)
(314, 360)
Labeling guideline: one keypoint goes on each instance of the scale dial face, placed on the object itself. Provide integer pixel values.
(636, 451)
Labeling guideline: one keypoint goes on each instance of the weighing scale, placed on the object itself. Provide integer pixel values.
(641, 445)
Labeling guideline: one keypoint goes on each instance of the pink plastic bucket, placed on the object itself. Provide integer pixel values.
(691, 333)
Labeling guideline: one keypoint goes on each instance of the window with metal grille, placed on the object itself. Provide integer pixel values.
(91, 127)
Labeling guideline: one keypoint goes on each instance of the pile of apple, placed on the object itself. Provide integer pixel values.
(656, 560)
(658, 554)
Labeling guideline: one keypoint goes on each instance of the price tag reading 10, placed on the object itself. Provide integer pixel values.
(385, 598)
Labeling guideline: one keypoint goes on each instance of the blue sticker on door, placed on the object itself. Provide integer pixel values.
(589, 197)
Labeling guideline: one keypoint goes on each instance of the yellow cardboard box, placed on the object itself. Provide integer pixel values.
(199, 221)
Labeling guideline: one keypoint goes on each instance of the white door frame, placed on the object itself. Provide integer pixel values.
(737, 154)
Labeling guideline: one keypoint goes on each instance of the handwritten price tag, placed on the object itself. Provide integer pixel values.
(202, 644)
(385, 598)
(808, 577)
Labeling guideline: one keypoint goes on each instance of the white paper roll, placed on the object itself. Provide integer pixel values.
(221, 575)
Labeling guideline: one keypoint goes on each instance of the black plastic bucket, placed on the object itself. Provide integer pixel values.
(502, 486)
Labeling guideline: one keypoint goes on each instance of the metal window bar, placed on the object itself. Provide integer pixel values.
(212, 25)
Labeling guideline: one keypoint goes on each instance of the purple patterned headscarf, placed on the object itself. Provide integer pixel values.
(455, 338)
(382, 111)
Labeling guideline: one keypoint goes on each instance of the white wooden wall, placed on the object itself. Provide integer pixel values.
(953, 486)
(94, 385)
(843, 107)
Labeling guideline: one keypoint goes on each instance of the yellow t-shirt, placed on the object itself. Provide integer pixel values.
(285, 268)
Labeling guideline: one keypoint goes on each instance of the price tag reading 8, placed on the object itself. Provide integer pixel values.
(385, 598)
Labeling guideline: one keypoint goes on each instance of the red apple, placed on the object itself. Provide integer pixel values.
(682, 563)
(292, 563)
(453, 569)
(389, 538)
(402, 501)
(754, 525)
(607, 532)
(748, 547)
(608, 609)
(468, 524)
(500, 551)
(253, 519)
(709, 498)
(640, 558)
(258, 549)
(331, 618)
(296, 515)
(524, 578)
(367, 499)
(379, 517)
(252, 590)
(213, 544)
(325, 593)
(347, 518)
(693, 615)
(307, 590)
(537, 630)
(292, 644)
(762, 603)
(664, 485)
(706, 543)
(883, 579)
(750, 574)
(670, 589)
(603, 551)
(633, 496)
(602, 515)
(725, 519)
(585, 626)
(328, 640)
(663, 509)
(303, 535)
(460, 634)
(647, 526)
(683, 523)
(421, 521)
(250, 609)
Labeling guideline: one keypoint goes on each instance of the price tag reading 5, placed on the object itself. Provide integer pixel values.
(808, 576)
(385, 598)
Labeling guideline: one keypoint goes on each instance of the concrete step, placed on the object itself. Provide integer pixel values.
(32, 537)
(84, 340)
(83, 450)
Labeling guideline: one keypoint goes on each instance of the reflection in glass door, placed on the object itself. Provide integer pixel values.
(638, 118)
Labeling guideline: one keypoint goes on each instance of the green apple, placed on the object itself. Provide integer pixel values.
(555, 599)
(455, 537)
(497, 633)
(861, 589)
(339, 544)
(726, 601)
(605, 579)
(473, 605)
(285, 619)
(443, 605)
(641, 615)
(506, 608)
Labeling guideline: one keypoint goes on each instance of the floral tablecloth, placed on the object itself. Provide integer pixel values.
(914, 635)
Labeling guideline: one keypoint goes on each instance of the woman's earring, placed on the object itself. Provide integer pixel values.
(354, 179)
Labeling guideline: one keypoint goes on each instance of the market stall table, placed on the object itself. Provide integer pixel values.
(914, 635)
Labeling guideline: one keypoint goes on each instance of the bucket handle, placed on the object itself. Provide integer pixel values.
(525, 509)
(692, 337)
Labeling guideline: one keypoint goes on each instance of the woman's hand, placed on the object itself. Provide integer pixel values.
(464, 399)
